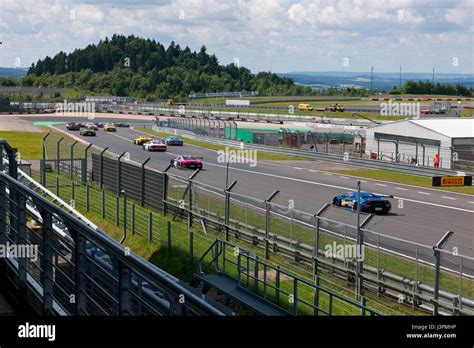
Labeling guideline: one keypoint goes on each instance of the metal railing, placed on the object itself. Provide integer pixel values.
(271, 283)
(74, 268)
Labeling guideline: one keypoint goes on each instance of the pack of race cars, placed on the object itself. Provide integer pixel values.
(369, 202)
(91, 128)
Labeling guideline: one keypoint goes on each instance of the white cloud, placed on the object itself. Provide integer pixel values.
(288, 34)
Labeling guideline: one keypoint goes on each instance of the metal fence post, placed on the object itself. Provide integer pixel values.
(267, 219)
(119, 173)
(103, 204)
(190, 197)
(437, 254)
(58, 153)
(102, 167)
(150, 227)
(73, 193)
(227, 208)
(57, 186)
(72, 159)
(44, 144)
(117, 206)
(85, 164)
(142, 186)
(47, 262)
(362, 303)
(316, 295)
(360, 243)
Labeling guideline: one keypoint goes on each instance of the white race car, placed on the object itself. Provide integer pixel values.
(155, 145)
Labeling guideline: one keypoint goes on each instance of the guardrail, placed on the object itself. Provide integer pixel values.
(275, 285)
(350, 160)
(78, 269)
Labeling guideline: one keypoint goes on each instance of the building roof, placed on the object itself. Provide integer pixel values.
(451, 127)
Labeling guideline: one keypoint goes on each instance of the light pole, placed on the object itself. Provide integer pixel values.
(359, 246)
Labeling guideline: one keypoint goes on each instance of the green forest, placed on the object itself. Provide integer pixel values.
(133, 66)
(427, 87)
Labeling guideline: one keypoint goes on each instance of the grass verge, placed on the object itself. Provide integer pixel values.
(415, 180)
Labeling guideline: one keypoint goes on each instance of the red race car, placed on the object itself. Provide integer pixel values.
(190, 162)
(73, 126)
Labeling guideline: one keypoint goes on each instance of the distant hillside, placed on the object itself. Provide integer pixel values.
(381, 81)
(145, 68)
(13, 73)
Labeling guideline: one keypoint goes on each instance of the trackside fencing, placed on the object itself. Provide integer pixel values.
(271, 283)
(435, 279)
(68, 266)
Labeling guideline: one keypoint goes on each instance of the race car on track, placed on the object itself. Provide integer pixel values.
(142, 140)
(73, 126)
(92, 126)
(190, 162)
(369, 202)
(88, 132)
(173, 141)
(99, 124)
(336, 107)
(154, 145)
(110, 128)
(121, 124)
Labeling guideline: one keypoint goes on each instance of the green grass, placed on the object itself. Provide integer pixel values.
(467, 113)
(27, 143)
(386, 175)
(261, 155)
(177, 261)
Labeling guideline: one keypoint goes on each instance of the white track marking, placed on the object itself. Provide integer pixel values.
(383, 185)
(423, 193)
(446, 197)
(401, 188)
(344, 177)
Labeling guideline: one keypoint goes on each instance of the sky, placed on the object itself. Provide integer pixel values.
(263, 35)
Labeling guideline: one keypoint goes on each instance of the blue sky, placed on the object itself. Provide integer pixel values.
(281, 35)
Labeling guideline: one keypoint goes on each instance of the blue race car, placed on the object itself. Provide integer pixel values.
(173, 141)
(370, 202)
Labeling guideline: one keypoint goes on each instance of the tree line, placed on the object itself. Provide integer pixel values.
(133, 66)
(427, 87)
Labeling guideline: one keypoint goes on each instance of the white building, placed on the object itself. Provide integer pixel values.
(419, 140)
